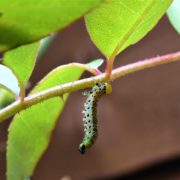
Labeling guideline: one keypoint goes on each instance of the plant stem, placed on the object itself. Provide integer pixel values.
(85, 83)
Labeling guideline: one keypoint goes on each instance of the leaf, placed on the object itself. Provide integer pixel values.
(174, 15)
(28, 21)
(8, 80)
(95, 63)
(44, 44)
(30, 131)
(6, 97)
(117, 24)
(22, 60)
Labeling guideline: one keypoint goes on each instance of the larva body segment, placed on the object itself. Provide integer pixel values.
(90, 116)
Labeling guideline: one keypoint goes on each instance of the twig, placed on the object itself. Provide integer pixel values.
(85, 83)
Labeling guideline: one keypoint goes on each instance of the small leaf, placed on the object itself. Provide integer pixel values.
(6, 97)
(22, 60)
(174, 14)
(115, 25)
(30, 131)
(96, 63)
(9, 80)
(44, 44)
(23, 22)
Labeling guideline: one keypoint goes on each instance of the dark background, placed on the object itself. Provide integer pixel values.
(139, 123)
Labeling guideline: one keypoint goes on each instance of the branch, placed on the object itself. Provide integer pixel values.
(85, 83)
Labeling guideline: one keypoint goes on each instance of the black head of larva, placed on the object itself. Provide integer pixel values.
(82, 149)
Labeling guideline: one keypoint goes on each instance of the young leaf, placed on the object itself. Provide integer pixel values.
(8, 80)
(44, 44)
(30, 131)
(115, 25)
(22, 60)
(6, 97)
(96, 63)
(174, 14)
(27, 21)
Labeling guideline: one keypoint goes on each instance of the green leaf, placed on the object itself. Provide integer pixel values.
(22, 60)
(174, 14)
(6, 97)
(8, 80)
(119, 23)
(30, 131)
(44, 44)
(95, 63)
(27, 21)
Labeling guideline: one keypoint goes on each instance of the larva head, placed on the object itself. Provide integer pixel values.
(82, 148)
(108, 88)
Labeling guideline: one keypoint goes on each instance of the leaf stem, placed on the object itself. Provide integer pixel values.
(85, 83)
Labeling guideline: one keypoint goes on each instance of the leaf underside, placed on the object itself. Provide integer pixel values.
(115, 25)
(174, 15)
(22, 61)
(23, 22)
(30, 130)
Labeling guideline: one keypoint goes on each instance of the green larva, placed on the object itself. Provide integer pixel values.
(90, 117)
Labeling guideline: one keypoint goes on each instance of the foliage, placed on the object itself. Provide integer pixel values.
(118, 24)
(5, 97)
(31, 129)
(22, 70)
(113, 25)
(174, 14)
(23, 21)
